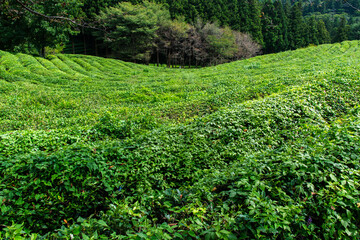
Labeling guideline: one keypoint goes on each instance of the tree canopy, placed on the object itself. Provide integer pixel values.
(40, 23)
(138, 31)
(130, 29)
(276, 25)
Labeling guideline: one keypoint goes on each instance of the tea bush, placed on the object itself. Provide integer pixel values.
(269, 156)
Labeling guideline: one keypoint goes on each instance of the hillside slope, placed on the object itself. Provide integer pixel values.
(262, 148)
(68, 90)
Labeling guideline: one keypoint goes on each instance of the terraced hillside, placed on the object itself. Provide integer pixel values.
(261, 148)
(68, 90)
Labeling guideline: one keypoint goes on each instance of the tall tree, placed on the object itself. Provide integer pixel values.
(270, 29)
(221, 43)
(246, 46)
(342, 31)
(235, 19)
(274, 27)
(283, 22)
(313, 31)
(193, 46)
(354, 32)
(131, 29)
(297, 27)
(255, 21)
(323, 34)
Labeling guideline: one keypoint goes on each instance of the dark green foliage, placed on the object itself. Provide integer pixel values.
(274, 27)
(342, 31)
(130, 29)
(297, 27)
(313, 33)
(254, 27)
(135, 34)
(38, 27)
(23, 31)
(323, 35)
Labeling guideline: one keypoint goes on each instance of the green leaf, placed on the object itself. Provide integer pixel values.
(84, 236)
(198, 222)
(77, 231)
(142, 235)
(225, 232)
(102, 223)
(344, 223)
(33, 236)
(210, 236)
(231, 236)
(178, 235)
(37, 197)
(191, 233)
(332, 176)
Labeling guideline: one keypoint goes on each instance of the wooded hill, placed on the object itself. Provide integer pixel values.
(275, 25)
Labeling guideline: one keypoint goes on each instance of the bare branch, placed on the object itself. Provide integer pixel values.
(350, 5)
(59, 19)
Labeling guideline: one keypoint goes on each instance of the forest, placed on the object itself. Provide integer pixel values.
(181, 33)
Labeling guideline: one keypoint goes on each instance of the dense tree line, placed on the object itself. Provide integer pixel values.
(138, 32)
(276, 25)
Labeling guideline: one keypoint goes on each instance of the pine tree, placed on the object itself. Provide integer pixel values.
(323, 33)
(234, 19)
(255, 21)
(313, 31)
(243, 12)
(297, 27)
(342, 31)
(283, 22)
(287, 7)
(270, 29)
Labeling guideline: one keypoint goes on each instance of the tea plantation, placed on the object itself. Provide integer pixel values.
(264, 148)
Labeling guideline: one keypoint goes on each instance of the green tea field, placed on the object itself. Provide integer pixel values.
(263, 148)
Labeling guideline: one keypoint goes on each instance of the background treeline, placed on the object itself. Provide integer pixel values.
(199, 32)
(276, 25)
(145, 32)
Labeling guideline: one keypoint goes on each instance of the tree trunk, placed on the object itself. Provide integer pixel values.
(96, 48)
(73, 46)
(183, 61)
(169, 59)
(84, 39)
(157, 56)
(42, 51)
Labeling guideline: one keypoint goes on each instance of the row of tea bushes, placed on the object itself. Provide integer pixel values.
(285, 166)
